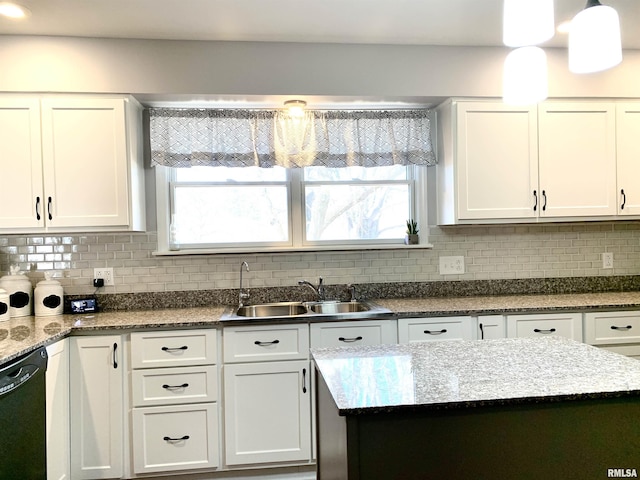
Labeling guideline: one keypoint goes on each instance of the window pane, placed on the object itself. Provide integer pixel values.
(233, 214)
(349, 174)
(224, 174)
(352, 212)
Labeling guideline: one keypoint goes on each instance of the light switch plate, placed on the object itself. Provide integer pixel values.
(451, 265)
(607, 260)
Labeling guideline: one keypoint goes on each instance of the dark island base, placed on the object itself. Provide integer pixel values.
(574, 439)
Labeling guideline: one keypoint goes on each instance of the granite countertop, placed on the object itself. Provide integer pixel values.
(487, 305)
(472, 374)
(22, 334)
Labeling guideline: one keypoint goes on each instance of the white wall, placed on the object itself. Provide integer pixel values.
(64, 64)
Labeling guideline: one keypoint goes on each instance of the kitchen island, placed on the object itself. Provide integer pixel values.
(527, 408)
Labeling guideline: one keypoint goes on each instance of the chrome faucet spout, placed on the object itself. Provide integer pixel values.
(242, 295)
(319, 290)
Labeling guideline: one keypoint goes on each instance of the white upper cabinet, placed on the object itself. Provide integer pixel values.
(492, 164)
(73, 163)
(577, 159)
(552, 162)
(628, 164)
(21, 195)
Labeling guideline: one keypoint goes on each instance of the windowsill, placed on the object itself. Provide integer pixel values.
(315, 248)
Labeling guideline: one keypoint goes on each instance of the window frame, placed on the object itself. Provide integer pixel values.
(417, 178)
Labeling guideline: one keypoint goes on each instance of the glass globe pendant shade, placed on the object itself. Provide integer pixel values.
(525, 76)
(527, 22)
(594, 39)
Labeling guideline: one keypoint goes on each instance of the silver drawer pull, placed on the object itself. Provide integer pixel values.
(349, 340)
(175, 387)
(551, 330)
(435, 332)
(174, 349)
(169, 439)
(628, 327)
(265, 344)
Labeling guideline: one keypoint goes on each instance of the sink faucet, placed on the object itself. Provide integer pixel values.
(319, 291)
(242, 295)
(352, 290)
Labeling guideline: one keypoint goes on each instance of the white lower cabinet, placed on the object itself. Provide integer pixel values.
(58, 411)
(267, 401)
(358, 333)
(615, 331)
(491, 327)
(432, 329)
(179, 437)
(96, 407)
(175, 403)
(567, 325)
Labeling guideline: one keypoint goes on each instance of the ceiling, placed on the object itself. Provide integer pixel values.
(397, 22)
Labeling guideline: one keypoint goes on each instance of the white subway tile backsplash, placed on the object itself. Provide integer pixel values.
(491, 252)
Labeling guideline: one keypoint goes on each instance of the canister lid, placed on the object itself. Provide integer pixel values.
(48, 281)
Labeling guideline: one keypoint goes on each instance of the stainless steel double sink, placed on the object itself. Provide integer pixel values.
(330, 310)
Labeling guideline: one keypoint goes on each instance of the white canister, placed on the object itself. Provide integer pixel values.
(4, 305)
(20, 292)
(48, 297)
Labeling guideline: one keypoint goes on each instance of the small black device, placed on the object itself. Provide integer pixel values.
(84, 305)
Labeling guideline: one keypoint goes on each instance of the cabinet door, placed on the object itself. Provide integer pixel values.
(21, 194)
(628, 158)
(85, 162)
(497, 161)
(577, 159)
(267, 412)
(96, 399)
(58, 411)
(491, 327)
(567, 325)
(361, 332)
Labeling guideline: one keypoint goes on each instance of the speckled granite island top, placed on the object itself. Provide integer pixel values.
(468, 374)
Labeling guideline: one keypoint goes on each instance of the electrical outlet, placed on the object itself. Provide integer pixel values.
(104, 273)
(451, 265)
(607, 260)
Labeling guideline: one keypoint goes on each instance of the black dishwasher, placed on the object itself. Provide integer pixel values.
(23, 449)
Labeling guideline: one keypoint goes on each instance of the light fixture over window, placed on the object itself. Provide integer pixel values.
(527, 22)
(594, 39)
(525, 76)
(295, 107)
(13, 10)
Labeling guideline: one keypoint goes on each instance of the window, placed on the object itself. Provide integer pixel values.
(250, 208)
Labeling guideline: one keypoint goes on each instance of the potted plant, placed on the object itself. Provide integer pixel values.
(412, 237)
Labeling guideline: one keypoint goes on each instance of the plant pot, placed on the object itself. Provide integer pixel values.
(412, 239)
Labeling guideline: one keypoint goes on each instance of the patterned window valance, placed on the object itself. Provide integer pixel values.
(266, 138)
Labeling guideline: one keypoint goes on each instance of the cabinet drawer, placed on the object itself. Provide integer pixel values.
(169, 386)
(173, 348)
(265, 343)
(434, 329)
(612, 327)
(363, 332)
(566, 325)
(175, 438)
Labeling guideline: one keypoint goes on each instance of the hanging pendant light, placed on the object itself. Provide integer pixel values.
(594, 39)
(525, 76)
(527, 22)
